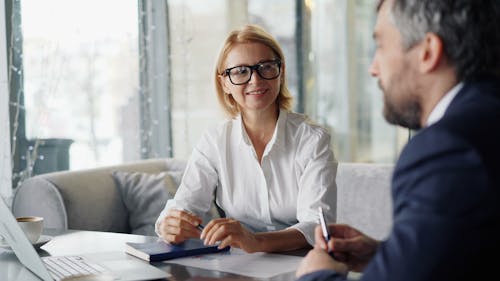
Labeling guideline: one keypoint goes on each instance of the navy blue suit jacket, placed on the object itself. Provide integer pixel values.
(446, 194)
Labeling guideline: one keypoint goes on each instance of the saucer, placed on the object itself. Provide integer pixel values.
(44, 239)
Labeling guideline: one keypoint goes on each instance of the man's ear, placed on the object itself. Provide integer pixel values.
(431, 54)
(223, 81)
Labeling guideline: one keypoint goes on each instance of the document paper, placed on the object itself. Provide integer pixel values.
(237, 261)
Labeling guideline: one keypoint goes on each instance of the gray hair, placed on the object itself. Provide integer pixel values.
(469, 29)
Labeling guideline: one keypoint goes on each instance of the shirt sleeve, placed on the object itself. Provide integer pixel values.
(196, 191)
(317, 185)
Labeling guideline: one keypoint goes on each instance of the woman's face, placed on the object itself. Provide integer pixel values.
(257, 94)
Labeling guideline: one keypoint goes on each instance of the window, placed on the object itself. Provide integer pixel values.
(81, 76)
(341, 95)
(328, 47)
(75, 74)
(5, 165)
(120, 84)
(197, 31)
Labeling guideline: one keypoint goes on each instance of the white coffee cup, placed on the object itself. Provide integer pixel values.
(32, 227)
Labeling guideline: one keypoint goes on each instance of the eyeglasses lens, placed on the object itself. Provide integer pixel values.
(242, 74)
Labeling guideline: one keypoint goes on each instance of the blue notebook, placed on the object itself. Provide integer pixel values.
(159, 250)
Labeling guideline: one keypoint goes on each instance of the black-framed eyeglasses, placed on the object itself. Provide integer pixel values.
(241, 74)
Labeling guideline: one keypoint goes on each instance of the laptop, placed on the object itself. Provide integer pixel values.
(105, 266)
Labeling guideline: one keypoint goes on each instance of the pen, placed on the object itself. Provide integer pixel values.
(200, 227)
(324, 228)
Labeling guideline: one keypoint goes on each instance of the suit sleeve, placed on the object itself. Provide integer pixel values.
(443, 208)
(438, 205)
(322, 275)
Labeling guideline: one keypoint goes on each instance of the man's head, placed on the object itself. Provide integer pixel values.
(424, 47)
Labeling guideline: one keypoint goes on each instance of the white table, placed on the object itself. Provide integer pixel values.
(72, 242)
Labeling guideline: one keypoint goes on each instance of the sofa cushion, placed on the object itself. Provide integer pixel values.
(144, 195)
(39, 197)
(364, 197)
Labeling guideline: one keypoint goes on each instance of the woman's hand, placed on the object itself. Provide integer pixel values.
(230, 232)
(179, 225)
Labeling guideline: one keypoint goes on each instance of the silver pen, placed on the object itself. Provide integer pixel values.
(324, 228)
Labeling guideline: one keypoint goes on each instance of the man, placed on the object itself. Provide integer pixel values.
(437, 62)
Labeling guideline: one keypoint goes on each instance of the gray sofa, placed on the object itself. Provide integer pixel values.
(90, 199)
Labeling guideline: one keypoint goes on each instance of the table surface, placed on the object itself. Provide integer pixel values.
(75, 242)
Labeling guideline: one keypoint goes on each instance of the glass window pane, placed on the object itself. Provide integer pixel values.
(194, 42)
(197, 32)
(81, 73)
(81, 77)
(344, 97)
(334, 58)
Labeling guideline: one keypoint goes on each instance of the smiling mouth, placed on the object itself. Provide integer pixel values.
(257, 92)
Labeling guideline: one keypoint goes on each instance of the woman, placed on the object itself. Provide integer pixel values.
(269, 168)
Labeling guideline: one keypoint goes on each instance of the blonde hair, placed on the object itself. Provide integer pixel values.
(249, 34)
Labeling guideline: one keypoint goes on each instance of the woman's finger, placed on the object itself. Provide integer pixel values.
(211, 228)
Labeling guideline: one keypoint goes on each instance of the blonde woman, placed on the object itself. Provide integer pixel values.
(268, 168)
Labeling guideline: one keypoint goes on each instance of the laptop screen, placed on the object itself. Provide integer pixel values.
(19, 243)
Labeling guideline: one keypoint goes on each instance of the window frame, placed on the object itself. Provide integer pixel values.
(155, 78)
(155, 119)
(5, 145)
(155, 90)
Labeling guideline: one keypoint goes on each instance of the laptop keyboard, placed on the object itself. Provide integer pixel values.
(70, 266)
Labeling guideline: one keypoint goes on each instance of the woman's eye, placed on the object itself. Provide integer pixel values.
(239, 71)
(265, 67)
(242, 70)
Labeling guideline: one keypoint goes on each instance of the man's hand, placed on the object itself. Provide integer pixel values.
(318, 259)
(348, 245)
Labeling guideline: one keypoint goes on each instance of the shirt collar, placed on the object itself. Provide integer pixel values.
(242, 135)
(440, 108)
(278, 131)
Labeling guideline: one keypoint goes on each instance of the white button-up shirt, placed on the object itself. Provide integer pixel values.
(440, 108)
(295, 177)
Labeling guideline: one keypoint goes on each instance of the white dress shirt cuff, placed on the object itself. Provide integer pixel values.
(307, 229)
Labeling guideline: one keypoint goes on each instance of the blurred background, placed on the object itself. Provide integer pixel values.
(100, 82)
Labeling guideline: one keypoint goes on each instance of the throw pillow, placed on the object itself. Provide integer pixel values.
(144, 196)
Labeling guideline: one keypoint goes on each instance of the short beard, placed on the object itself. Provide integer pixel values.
(407, 114)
